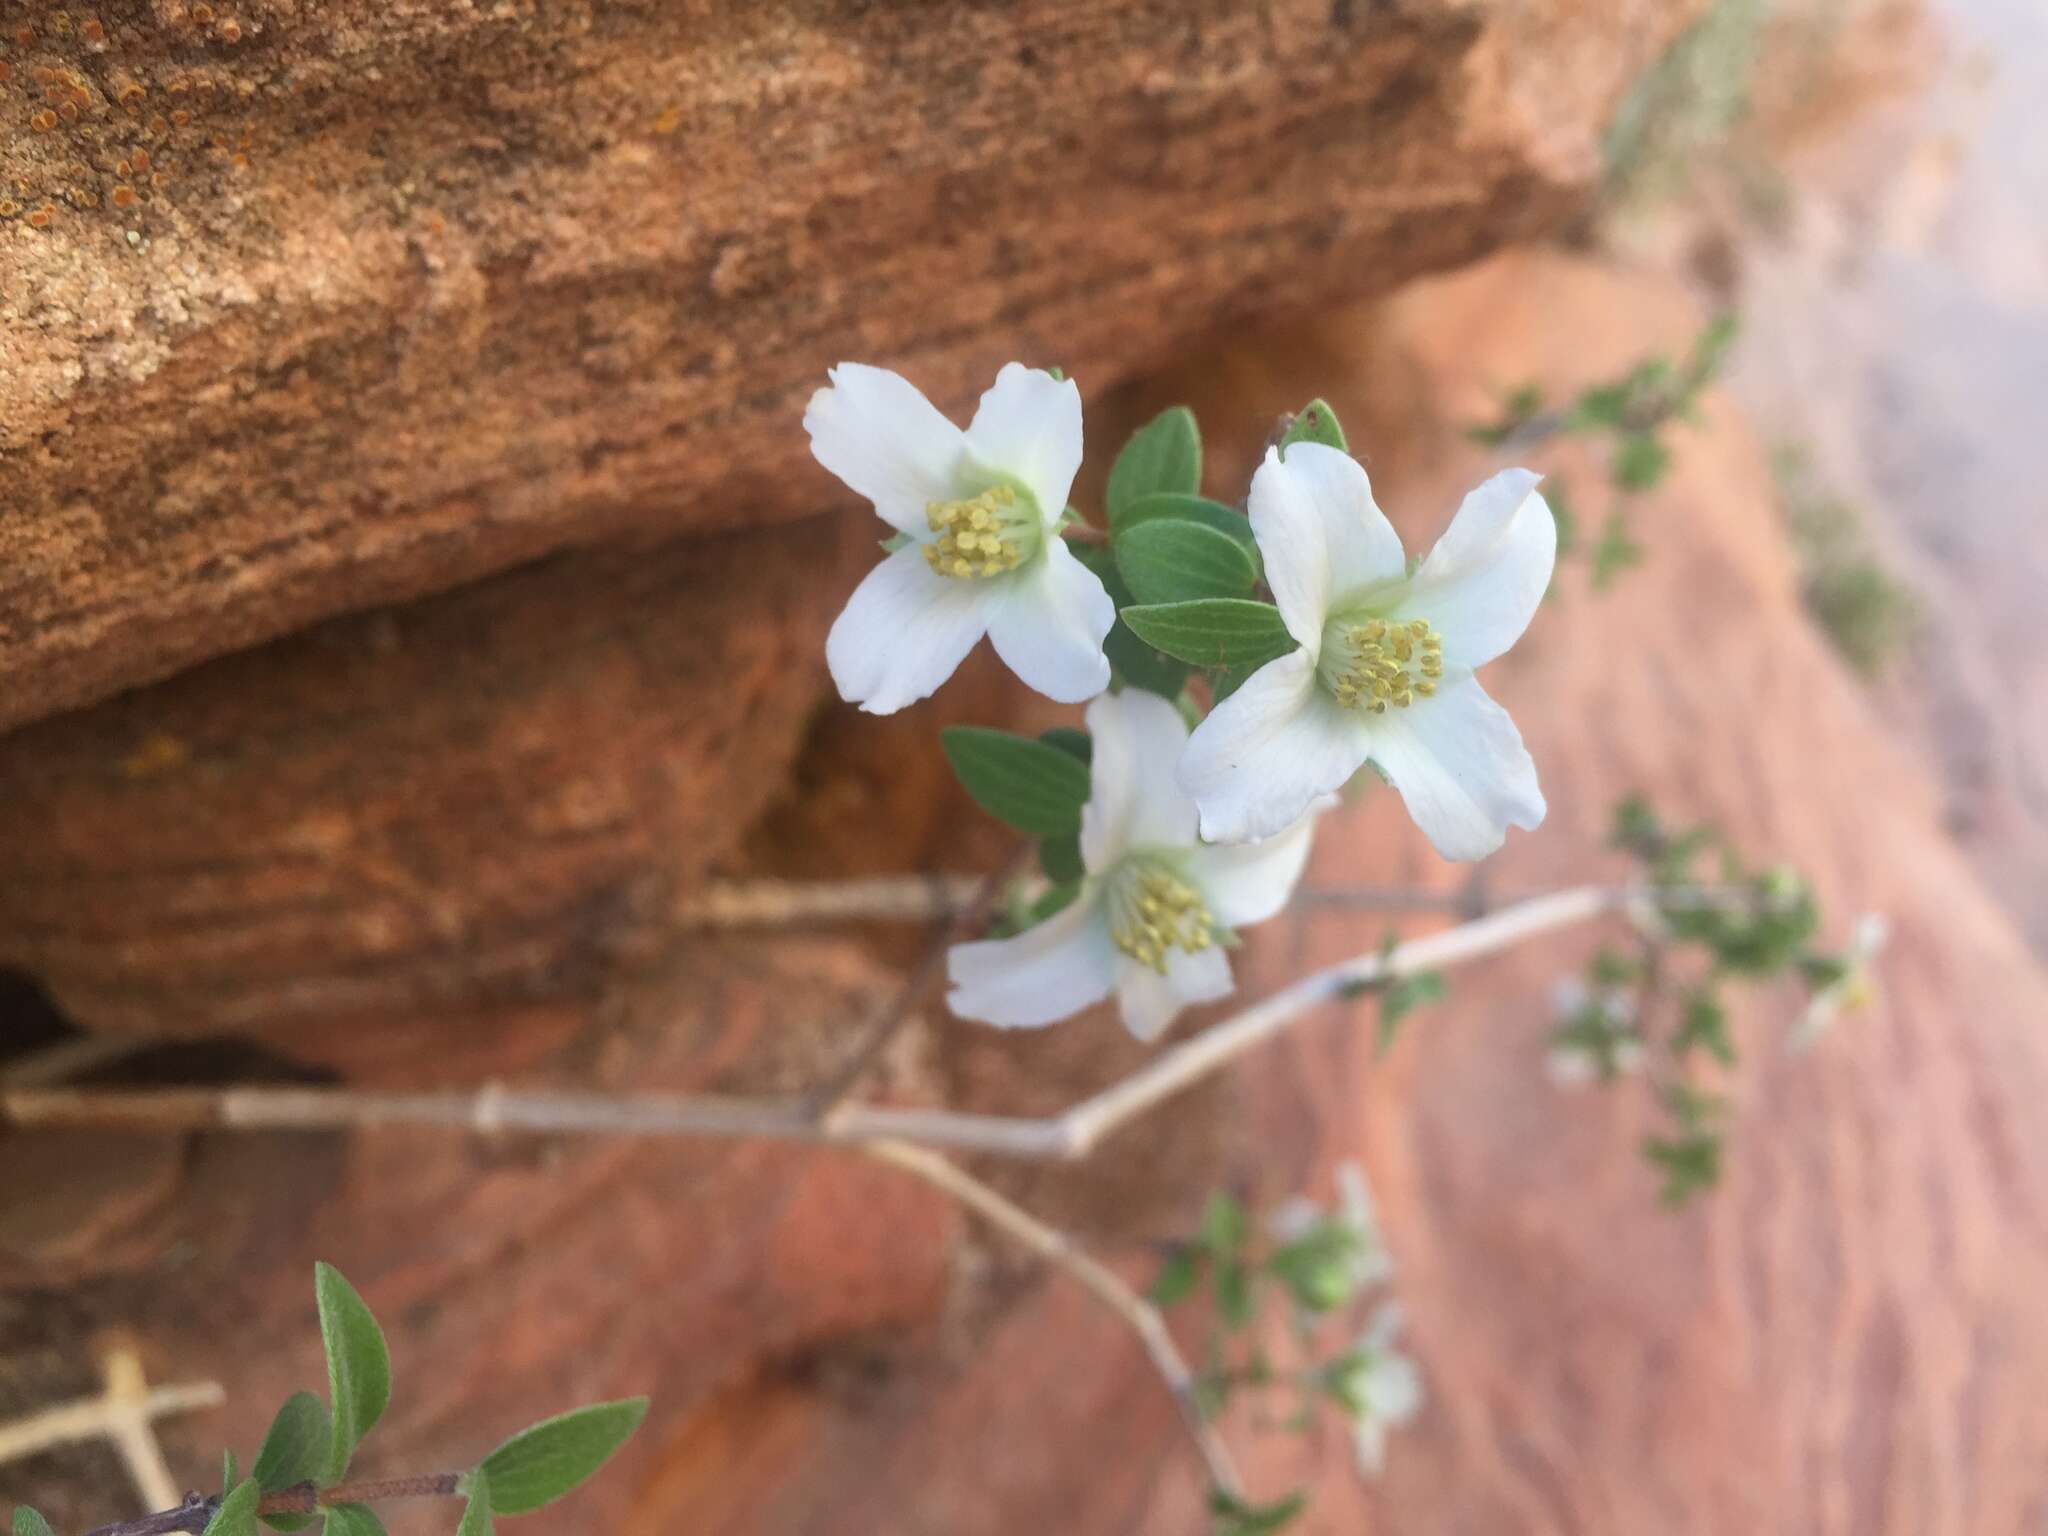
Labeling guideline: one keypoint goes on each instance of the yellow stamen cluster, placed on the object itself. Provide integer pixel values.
(1157, 911)
(1382, 664)
(978, 537)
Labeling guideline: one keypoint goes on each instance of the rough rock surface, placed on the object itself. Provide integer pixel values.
(490, 794)
(310, 307)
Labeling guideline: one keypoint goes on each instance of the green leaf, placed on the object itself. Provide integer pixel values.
(237, 1513)
(1163, 455)
(1060, 858)
(353, 1520)
(539, 1465)
(1136, 663)
(358, 1366)
(476, 1514)
(1402, 997)
(1030, 785)
(1234, 1517)
(1641, 461)
(1213, 631)
(1171, 560)
(1179, 507)
(1223, 1224)
(1316, 423)
(1074, 743)
(29, 1522)
(294, 1451)
(1234, 1295)
(227, 1469)
(1177, 1277)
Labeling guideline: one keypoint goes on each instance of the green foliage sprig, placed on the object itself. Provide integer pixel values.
(1632, 415)
(1714, 924)
(299, 1475)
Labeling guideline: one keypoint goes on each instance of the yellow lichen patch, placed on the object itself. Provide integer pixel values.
(1381, 664)
(160, 754)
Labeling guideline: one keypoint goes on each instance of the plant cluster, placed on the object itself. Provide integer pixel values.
(300, 1475)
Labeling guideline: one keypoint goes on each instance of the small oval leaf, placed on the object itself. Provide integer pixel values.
(237, 1513)
(1170, 560)
(353, 1520)
(539, 1465)
(1228, 521)
(1025, 784)
(1163, 455)
(1316, 423)
(293, 1452)
(1060, 858)
(476, 1514)
(1213, 632)
(29, 1522)
(358, 1365)
(1136, 663)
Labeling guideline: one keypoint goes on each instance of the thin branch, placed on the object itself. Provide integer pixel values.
(91, 1418)
(794, 903)
(937, 898)
(1096, 1278)
(1070, 1135)
(828, 1097)
(196, 1512)
(306, 1498)
(69, 1058)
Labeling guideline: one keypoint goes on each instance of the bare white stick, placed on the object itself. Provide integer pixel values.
(1067, 1135)
(1101, 1282)
(122, 1414)
(69, 1058)
(929, 898)
(790, 903)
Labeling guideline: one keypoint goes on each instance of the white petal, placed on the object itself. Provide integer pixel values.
(1247, 883)
(1321, 534)
(1461, 768)
(903, 632)
(1369, 1444)
(1150, 1002)
(1268, 751)
(1044, 974)
(1394, 1389)
(1029, 426)
(1481, 584)
(1133, 800)
(1048, 622)
(877, 432)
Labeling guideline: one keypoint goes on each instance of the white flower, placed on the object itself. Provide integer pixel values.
(1384, 668)
(1367, 1261)
(1382, 1388)
(981, 510)
(1596, 1036)
(1149, 922)
(1853, 989)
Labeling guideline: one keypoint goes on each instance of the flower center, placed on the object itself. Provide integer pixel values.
(1380, 664)
(986, 535)
(1153, 910)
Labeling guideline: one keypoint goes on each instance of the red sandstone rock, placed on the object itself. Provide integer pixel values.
(409, 293)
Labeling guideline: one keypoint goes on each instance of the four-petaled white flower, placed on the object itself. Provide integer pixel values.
(1596, 1037)
(1152, 914)
(1381, 1388)
(1384, 668)
(1854, 988)
(981, 510)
